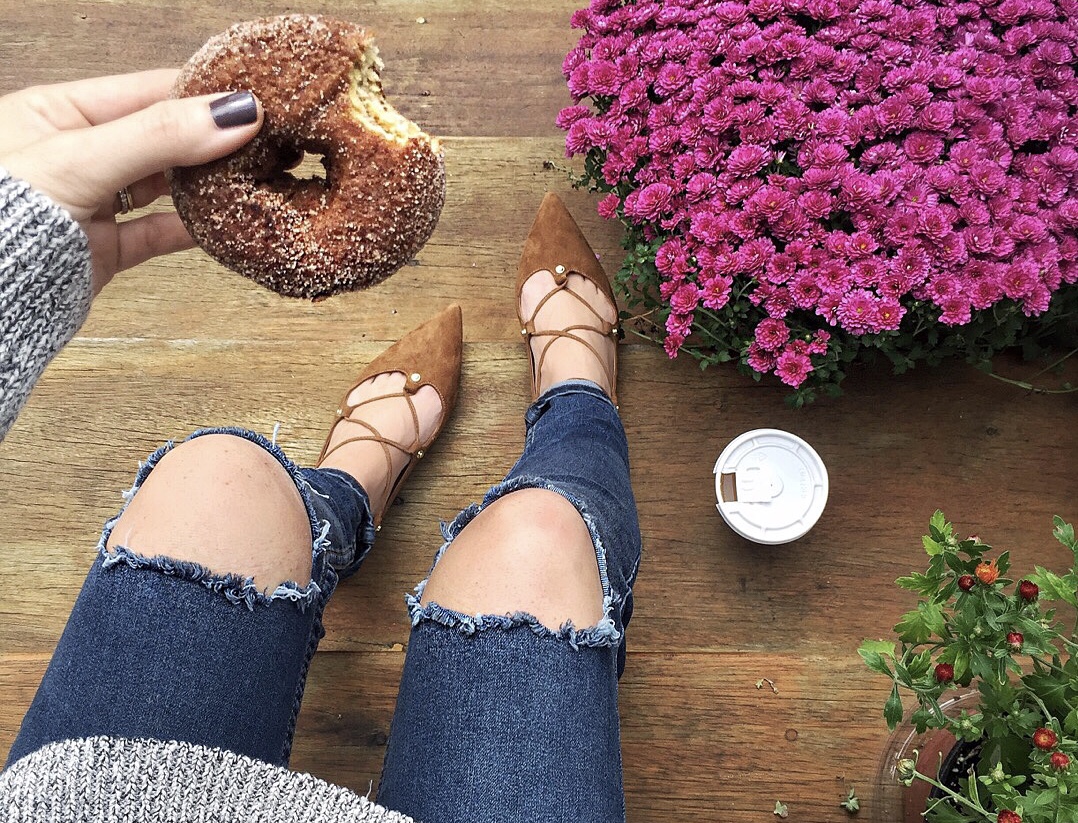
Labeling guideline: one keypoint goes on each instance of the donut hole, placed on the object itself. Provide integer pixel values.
(295, 170)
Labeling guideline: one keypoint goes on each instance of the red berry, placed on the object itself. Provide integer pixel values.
(1014, 640)
(1059, 761)
(1045, 739)
(1028, 590)
(987, 572)
(1007, 816)
(944, 672)
(967, 582)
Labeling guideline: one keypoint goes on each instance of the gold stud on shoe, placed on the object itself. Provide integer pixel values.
(415, 377)
(559, 270)
(419, 455)
(524, 332)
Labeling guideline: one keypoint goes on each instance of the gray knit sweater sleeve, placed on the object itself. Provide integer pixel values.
(109, 780)
(45, 288)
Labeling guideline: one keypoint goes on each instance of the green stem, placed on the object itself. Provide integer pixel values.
(1051, 366)
(977, 807)
(640, 334)
(1039, 702)
(1029, 386)
(701, 328)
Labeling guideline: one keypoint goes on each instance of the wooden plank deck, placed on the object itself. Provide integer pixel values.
(181, 343)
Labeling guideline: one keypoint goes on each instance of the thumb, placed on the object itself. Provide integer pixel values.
(83, 169)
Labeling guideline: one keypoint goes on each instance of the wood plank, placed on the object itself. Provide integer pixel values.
(473, 68)
(180, 343)
(698, 736)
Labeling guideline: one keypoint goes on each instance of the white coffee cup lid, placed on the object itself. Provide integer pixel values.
(771, 486)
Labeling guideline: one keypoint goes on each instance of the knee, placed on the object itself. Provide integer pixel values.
(225, 503)
(529, 551)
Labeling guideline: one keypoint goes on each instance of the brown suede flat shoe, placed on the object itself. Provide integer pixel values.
(429, 355)
(556, 244)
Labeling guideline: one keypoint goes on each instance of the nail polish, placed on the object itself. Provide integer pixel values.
(237, 109)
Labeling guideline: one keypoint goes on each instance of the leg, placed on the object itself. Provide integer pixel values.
(504, 702)
(199, 617)
(506, 707)
(201, 612)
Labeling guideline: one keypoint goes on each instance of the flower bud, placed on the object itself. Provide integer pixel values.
(1014, 640)
(944, 673)
(967, 582)
(906, 770)
(987, 573)
(1045, 739)
(1028, 590)
(1059, 761)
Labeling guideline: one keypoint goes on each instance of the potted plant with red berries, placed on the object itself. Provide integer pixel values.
(994, 736)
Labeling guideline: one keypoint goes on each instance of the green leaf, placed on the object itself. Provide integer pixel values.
(938, 524)
(931, 546)
(892, 709)
(886, 647)
(851, 803)
(919, 665)
(1064, 533)
(875, 661)
(923, 584)
(1053, 586)
(920, 624)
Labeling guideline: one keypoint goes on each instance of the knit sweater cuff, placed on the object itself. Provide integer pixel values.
(112, 780)
(45, 288)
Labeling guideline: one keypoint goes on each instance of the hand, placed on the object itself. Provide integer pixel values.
(80, 143)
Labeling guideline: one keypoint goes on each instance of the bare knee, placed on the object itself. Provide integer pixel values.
(529, 551)
(225, 503)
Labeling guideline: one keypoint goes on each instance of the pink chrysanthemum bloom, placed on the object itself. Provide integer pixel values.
(792, 368)
(857, 312)
(772, 334)
(760, 359)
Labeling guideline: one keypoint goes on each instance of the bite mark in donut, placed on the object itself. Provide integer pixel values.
(319, 81)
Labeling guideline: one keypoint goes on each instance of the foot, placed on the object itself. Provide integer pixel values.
(579, 303)
(385, 411)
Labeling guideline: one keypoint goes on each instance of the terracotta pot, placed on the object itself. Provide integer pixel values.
(901, 804)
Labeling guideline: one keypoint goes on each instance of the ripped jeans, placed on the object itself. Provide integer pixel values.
(498, 718)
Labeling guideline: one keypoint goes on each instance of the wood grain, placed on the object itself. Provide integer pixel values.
(181, 343)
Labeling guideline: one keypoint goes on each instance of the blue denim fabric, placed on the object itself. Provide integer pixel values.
(169, 650)
(499, 718)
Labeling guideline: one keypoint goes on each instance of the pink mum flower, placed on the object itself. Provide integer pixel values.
(649, 202)
(760, 359)
(857, 312)
(685, 298)
(772, 334)
(792, 368)
(747, 160)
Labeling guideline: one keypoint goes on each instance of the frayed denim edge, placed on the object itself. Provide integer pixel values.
(603, 633)
(236, 589)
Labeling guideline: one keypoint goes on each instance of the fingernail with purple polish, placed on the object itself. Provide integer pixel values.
(237, 109)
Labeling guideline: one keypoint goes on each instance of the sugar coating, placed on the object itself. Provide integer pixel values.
(319, 83)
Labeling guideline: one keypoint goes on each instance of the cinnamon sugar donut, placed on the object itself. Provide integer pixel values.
(319, 82)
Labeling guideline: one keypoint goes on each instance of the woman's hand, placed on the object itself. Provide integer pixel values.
(81, 143)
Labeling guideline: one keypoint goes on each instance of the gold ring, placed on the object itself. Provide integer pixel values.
(125, 200)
